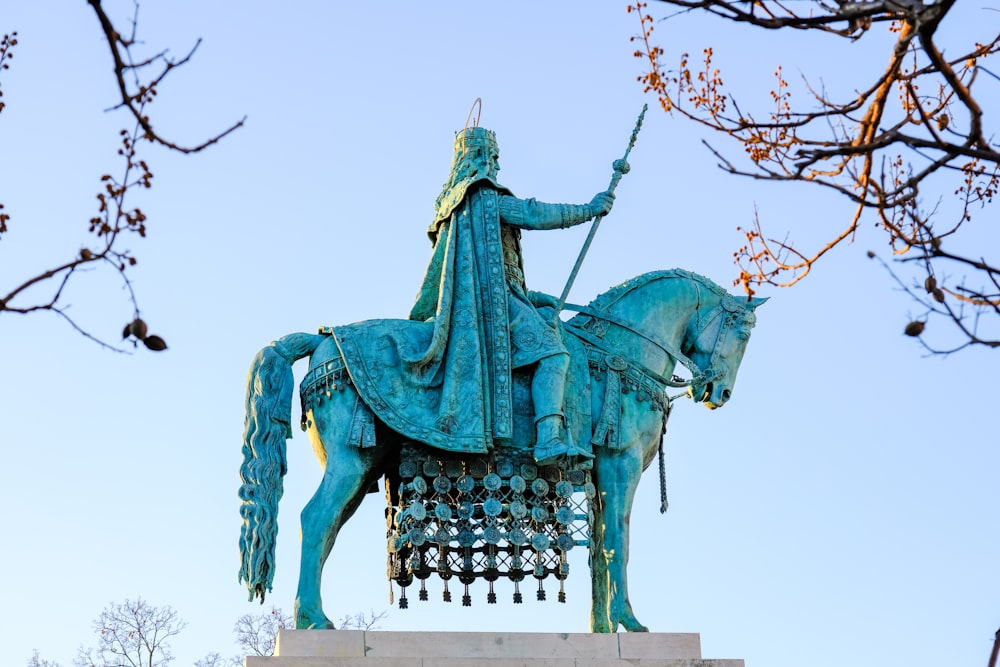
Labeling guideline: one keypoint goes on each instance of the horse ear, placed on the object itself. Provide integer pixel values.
(753, 303)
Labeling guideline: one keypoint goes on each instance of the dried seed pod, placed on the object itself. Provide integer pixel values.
(930, 284)
(914, 328)
(155, 343)
(138, 328)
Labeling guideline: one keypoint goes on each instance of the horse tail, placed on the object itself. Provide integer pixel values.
(267, 426)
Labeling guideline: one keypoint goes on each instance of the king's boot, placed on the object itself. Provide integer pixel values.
(552, 441)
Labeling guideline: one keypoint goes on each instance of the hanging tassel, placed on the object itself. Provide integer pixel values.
(663, 464)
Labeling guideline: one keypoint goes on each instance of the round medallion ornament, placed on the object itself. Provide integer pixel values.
(465, 484)
(517, 537)
(466, 538)
(540, 541)
(419, 485)
(492, 481)
(616, 362)
(505, 468)
(407, 469)
(491, 535)
(416, 536)
(442, 484)
(517, 484)
(492, 507)
(418, 511)
(442, 512)
(518, 509)
(539, 514)
(565, 542)
(540, 487)
(466, 509)
(564, 489)
(565, 515)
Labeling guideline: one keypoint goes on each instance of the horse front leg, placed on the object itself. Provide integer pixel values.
(600, 620)
(618, 475)
(349, 473)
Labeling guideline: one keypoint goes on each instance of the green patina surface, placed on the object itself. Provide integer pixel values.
(482, 365)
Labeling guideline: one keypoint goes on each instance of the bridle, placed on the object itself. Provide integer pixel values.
(699, 378)
(733, 316)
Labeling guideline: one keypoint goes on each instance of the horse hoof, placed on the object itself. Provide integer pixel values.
(305, 621)
(633, 625)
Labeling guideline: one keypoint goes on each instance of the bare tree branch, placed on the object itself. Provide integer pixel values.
(917, 126)
(138, 80)
(142, 92)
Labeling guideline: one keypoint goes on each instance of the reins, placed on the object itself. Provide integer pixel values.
(671, 350)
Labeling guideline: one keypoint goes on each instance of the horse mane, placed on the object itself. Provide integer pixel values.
(605, 300)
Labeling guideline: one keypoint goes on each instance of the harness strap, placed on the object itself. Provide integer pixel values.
(696, 373)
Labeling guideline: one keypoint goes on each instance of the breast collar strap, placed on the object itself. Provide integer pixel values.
(697, 375)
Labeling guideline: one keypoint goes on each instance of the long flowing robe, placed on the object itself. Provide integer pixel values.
(444, 376)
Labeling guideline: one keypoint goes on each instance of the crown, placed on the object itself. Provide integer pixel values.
(475, 137)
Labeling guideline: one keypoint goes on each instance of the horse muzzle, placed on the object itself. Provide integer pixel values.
(714, 396)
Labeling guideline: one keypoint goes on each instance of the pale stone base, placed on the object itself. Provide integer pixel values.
(358, 648)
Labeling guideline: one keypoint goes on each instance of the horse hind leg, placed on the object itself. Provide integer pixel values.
(349, 473)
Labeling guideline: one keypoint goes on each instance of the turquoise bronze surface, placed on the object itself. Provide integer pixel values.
(629, 341)
(483, 518)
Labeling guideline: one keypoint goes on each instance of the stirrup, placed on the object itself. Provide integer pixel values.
(552, 451)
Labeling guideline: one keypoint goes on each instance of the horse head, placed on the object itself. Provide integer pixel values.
(716, 340)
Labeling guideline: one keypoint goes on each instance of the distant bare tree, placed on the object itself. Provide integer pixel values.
(36, 661)
(258, 634)
(138, 73)
(362, 621)
(911, 147)
(130, 633)
(216, 660)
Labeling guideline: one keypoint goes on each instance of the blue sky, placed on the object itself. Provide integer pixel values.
(841, 509)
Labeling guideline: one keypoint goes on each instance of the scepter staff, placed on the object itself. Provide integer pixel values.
(620, 168)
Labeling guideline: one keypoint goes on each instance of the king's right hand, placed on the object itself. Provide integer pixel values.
(602, 202)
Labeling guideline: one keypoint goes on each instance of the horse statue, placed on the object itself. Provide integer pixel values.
(628, 342)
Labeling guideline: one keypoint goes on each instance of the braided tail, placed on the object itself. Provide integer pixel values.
(268, 424)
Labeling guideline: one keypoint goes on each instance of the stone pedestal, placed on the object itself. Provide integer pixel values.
(359, 648)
